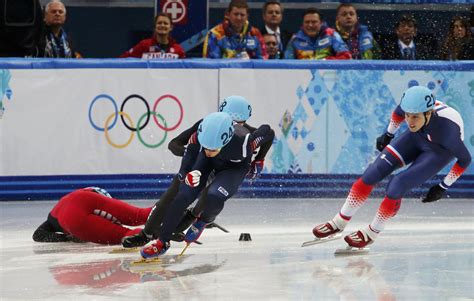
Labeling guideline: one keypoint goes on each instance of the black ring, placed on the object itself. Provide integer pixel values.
(147, 111)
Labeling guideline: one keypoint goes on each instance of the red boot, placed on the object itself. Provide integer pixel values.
(336, 225)
(362, 238)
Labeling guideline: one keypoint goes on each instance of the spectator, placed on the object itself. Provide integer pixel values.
(161, 45)
(21, 28)
(58, 45)
(271, 43)
(403, 45)
(459, 42)
(272, 17)
(235, 37)
(357, 37)
(316, 40)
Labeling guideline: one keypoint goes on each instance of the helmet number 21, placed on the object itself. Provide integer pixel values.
(429, 101)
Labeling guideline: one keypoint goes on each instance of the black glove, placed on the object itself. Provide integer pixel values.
(434, 194)
(383, 141)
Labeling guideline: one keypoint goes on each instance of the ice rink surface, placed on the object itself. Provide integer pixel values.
(425, 253)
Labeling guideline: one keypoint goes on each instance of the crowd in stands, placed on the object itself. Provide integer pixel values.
(235, 37)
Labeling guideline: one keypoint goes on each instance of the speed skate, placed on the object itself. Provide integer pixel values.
(322, 240)
(351, 251)
(143, 261)
(124, 250)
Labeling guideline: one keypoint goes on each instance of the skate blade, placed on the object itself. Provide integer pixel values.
(124, 250)
(220, 228)
(321, 240)
(351, 251)
(143, 261)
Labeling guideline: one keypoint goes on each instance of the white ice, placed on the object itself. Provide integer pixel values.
(425, 253)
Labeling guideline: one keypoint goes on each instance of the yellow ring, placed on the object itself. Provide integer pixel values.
(106, 131)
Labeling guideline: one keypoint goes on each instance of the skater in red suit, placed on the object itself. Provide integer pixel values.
(90, 215)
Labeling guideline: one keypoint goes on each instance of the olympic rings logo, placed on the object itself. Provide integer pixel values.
(143, 120)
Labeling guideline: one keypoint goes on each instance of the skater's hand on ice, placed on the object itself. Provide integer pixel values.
(434, 194)
(255, 169)
(192, 178)
(383, 141)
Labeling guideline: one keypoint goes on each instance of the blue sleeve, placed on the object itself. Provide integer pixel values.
(453, 143)
(398, 110)
(338, 44)
(213, 49)
(190, 155)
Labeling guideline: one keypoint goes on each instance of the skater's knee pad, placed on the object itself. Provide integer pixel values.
(384, 165)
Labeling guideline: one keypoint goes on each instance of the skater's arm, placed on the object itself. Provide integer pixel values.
(398, 116)
(459, 150)
(451, 140)
(190, 155)
(249, 127)
(264, 148)
(178, 144)
(395, 121)
(260, 137)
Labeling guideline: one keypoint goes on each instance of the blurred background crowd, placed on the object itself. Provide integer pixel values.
(238, 29)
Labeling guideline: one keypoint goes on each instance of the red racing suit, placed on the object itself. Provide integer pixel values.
(150, 49)
(87, 215)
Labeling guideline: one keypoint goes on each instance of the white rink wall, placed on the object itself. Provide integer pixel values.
(326, 115)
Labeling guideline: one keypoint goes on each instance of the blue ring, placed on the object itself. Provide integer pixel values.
(90, 112)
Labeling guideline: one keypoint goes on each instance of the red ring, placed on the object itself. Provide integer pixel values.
(164, 128)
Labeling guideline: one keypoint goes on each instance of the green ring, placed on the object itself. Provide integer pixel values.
(140, 136)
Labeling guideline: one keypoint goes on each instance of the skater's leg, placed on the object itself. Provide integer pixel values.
(224, 186)
(97, 229)
(385, 164)
(152, 226)
(190, 215)
(425, 166)
(392, 157)
(124, 213)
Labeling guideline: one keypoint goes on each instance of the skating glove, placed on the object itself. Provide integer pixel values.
(383, 141)
(434, 194)
(255, 169)
(192, 178)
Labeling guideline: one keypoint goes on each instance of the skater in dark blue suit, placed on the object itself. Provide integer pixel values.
(434, 138)
(240, 110)
(218, 146)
